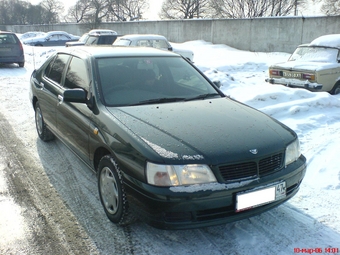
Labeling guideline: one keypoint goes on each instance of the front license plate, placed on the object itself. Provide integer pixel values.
(258, 197)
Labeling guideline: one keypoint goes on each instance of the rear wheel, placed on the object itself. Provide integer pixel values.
(21, 64)
(44, 133)
(112, 193)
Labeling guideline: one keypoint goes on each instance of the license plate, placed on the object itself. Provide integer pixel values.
(5, 49)
(291, 75)
(262, 196)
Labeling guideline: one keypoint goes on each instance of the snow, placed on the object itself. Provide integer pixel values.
(327, 40)
(309, 220)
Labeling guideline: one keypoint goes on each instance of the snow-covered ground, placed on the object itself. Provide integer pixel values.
(310, 220)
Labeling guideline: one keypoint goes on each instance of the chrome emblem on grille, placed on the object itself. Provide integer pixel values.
(254, 151)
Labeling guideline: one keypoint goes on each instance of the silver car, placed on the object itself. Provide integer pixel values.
(314, 66)
(151, 40)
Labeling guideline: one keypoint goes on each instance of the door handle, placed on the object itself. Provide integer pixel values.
(60, 99)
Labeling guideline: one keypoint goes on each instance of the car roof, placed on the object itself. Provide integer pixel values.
(6, 32)
(117, 51)
(57, 32)
(143, 36)
(332, 41)
(102, 32)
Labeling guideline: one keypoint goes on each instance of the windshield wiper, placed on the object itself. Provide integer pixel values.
(203, 96)
(160, 100)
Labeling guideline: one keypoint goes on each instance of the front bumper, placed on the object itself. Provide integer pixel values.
(296, 83)
(162, 208)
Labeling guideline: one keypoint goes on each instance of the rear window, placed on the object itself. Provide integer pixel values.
(8, 39)
(315, 54)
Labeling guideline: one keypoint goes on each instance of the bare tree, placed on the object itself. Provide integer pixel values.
(254, 8)
(79, 12)
(129, 9)
(184, 9)
(331, 7)
(54, 8)
(95, 12)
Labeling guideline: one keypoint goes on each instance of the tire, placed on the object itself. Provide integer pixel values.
(43, 132)
(336, 89)
(21, 64)
(112, 193)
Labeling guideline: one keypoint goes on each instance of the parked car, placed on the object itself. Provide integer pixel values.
(150, 40)
(31, 34)
(314, 66)
(167, 145)
(53, 38)
(11, 50)
(95, 37)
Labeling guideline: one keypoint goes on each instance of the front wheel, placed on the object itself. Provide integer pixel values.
(112, 193)
(336, 89)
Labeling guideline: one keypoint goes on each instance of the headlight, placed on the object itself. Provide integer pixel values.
(292, 152)
(175, 175)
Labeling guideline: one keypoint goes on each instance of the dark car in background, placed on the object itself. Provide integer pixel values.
(167, 145)
(11, 50)
(95, 37)
(52, 38)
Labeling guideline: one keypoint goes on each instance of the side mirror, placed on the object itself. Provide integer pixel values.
(75, 96)
(170, 49)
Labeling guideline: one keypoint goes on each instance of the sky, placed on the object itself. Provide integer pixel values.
(311, 219)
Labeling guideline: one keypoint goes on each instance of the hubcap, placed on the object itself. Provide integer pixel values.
(39, 120)
(109, 190)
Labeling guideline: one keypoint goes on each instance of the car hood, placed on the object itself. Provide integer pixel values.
(304, 66)
(210, 131)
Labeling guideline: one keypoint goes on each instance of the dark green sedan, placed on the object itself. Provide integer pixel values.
(168, 147)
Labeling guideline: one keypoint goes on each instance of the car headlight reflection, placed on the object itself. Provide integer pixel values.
(175, 175)
(292, 152)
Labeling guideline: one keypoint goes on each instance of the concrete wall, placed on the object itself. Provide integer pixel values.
(280, 34)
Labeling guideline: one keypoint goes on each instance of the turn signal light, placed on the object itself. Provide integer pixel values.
(308, 76)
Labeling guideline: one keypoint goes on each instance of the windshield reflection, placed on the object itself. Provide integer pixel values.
(143, 80)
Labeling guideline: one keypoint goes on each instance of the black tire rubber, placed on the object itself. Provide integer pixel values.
(21, 64)
(112, 193)
(43, 132)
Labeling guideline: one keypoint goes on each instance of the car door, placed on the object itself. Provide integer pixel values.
(50, 88)
(74, 119)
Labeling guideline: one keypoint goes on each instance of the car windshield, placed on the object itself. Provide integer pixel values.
(124, 42)
(150, 80)
(314, 54)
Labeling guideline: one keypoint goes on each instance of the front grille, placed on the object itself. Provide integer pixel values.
(270, 164)
(238, 171)
(252, 169)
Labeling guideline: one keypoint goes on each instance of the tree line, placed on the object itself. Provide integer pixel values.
(94, 12)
